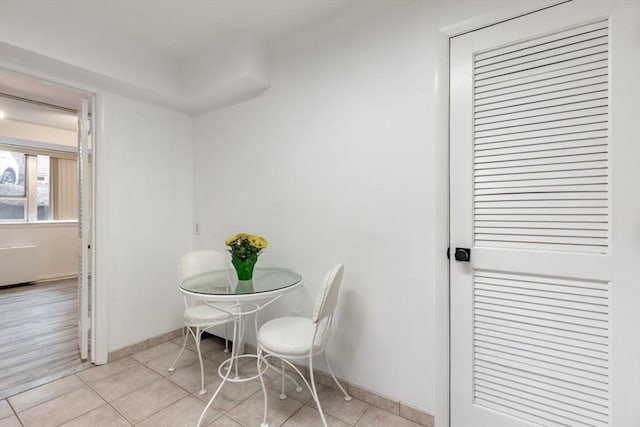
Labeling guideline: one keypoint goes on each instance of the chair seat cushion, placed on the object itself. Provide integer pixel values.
(287, 335)
(203, 314)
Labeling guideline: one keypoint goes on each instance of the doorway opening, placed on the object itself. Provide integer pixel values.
(46, 193)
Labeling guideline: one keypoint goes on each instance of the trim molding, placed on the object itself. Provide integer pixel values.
(143, 345)
(371, 397)
(56, 277)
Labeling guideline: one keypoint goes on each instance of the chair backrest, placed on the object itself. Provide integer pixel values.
(328, 295)
(196, 262)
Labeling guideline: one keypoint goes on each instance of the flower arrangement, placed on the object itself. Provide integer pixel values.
(244, 249)
(243, 245)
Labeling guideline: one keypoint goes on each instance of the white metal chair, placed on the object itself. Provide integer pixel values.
(291, 338)
(199, 317)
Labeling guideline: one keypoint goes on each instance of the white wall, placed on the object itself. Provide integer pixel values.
(335, 164)
(57, 253)
(143, 215)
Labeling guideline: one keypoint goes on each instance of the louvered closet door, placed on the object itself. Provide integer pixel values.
(532, 194)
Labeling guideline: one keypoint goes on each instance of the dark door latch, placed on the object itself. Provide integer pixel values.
(463, 254)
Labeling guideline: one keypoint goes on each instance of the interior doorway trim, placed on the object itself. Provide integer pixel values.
(99, 301)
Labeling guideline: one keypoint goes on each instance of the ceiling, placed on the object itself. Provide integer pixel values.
(178, 29)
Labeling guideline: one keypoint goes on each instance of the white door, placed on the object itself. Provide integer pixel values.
(545, 162)
(83, 229)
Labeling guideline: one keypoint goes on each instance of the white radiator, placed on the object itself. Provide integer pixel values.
(18, 264)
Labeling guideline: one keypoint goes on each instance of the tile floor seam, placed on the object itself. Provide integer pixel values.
(238, 404)
(15, 416)
(12, 408)
(40, 403)
(105, 400)
(345, 421)
(131, 391)
(160, 410)
(168, 378)
(334, 416)
(61, 395)
(113, 374)
(292, 415)
(120, 413)
(189, 393)
(363, 413)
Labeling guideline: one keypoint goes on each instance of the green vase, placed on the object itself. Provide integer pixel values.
(244, 268)
(244, 287)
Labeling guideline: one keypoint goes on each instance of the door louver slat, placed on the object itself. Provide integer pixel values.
(541, 347)
(541, 127)
(583, 32)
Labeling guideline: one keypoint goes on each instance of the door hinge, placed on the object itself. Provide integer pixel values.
(448, 253)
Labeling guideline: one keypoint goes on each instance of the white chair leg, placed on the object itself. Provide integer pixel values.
(326, 359)
(314, 392)
(226, 337)
(184, 344)
(198, 337)
(213, 396)
(264, 388)
(283, 396)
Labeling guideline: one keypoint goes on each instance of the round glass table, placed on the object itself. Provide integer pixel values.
(242, 298)
(221, 285)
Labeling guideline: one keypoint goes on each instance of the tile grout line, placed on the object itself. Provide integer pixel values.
(363, 414)
(132, 391)
(130, 421)
(105, 400)
(15, 414)
(167, 378)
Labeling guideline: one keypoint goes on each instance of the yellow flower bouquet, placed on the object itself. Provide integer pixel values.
(244, 249)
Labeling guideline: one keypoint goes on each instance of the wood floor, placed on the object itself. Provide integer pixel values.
(38, 335)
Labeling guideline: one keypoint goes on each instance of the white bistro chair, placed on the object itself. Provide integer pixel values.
(291, 338)
(198, 316)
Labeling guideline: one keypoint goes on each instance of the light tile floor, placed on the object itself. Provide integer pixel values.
(138, 390)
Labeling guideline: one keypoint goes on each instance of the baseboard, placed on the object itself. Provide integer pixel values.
(148, 343)
(55, 277)
(373, 398)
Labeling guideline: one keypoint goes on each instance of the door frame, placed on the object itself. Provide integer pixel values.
(441, 173)
(98, 267)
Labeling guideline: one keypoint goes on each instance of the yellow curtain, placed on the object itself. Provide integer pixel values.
(63, 175)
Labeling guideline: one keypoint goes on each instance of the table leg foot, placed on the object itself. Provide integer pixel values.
(203, 391)
(283, 396)
(264, 425)
(299, 389)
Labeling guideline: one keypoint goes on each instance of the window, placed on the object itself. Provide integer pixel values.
(36, 187)
(13, 194)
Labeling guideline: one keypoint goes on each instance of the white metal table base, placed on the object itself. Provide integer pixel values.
(231, 364)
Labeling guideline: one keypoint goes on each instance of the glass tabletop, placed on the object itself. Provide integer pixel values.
(224, 282)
